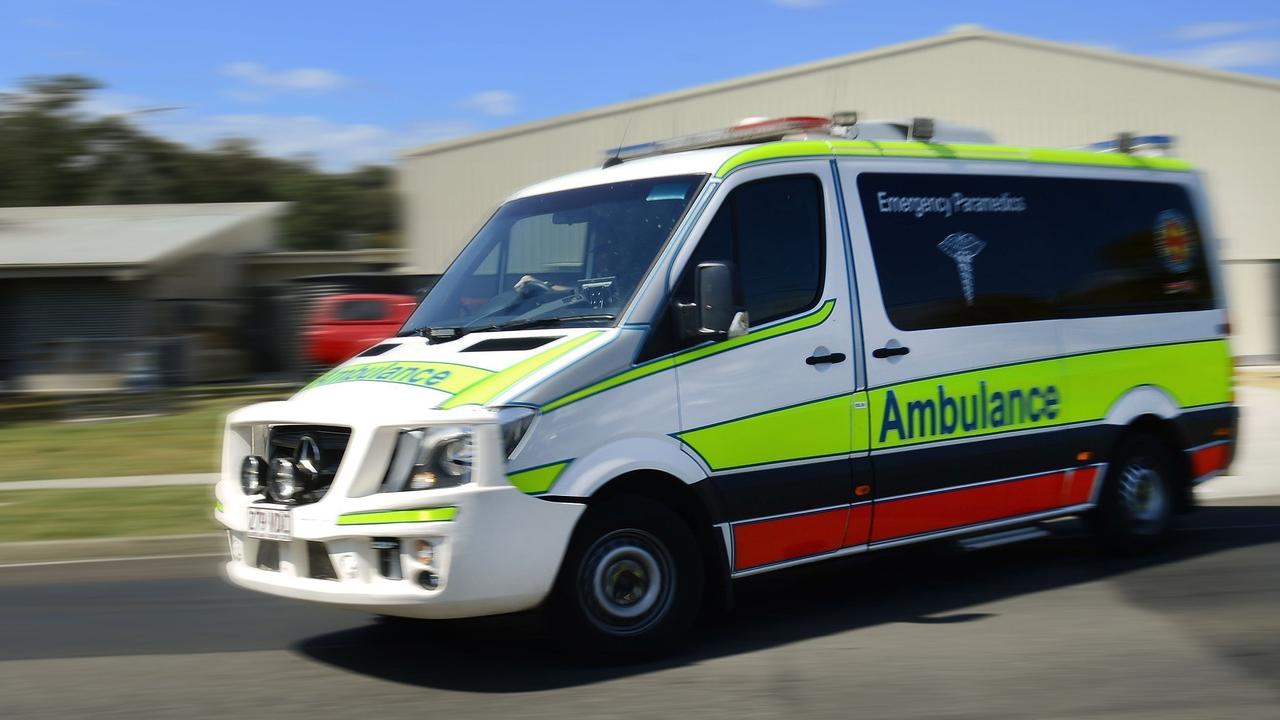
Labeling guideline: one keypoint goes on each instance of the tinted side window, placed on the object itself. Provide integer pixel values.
(772, 231)
(957, 250)
(1126, 247)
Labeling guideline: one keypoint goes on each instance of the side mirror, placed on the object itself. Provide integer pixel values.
(712, 314)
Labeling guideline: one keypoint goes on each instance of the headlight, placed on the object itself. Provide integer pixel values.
(430, 458)
(251, 471)
(286, 484)
(514, 422)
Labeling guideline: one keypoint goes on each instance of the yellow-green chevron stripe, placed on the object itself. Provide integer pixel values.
(445, 377)
(961, 151)
(382, 517)
(817, 317)
(831, 426)
(1084, 388)
(488, 388)
(538, 480)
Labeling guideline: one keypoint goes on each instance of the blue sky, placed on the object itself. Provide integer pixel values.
(354, 82)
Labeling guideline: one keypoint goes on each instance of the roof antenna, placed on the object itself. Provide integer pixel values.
(614, 159)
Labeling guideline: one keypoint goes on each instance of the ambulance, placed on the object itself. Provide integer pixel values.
(736, 352)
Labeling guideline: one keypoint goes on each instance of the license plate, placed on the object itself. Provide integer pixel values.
(270, 524)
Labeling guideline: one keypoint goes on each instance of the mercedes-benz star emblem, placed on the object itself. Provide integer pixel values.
(307, 455)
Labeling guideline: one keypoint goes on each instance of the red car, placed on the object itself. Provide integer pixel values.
(343, 325)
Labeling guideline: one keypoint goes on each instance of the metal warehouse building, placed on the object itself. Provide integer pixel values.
(1025, 91)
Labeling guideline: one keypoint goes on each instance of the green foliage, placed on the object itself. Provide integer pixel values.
(55, 154)
(115, 512)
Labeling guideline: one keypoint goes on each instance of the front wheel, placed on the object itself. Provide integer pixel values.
(631, 584)
(1135, 510)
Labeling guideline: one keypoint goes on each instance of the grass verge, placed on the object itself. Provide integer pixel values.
(115, 512)
(185, 440)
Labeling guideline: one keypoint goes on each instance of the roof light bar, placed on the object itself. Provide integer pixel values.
(748, 131)
(1135, 144)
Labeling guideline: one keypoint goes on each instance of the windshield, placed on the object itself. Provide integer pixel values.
(570, 257)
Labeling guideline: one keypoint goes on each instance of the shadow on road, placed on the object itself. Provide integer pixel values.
(931, 584)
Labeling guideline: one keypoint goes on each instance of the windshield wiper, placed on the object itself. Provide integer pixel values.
(552, 321)
(447, 333)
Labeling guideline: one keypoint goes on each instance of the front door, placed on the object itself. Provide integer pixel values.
(772, 415)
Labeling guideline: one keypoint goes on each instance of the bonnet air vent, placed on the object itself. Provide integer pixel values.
(378, 349)
(511, 344)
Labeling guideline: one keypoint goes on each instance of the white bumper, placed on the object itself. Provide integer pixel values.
(499, 552)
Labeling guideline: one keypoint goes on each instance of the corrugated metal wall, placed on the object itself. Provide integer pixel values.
(1024, 91)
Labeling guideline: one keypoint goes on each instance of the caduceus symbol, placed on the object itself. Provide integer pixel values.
(963, 248)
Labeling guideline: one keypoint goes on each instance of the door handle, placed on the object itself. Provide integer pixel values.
(888, 352)
(829, 358)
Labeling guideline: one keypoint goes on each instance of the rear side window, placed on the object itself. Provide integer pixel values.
(772, 231)
(954, 250)
(1123, 248)
(957, 250)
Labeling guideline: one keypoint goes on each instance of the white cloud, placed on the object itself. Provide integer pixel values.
(800, 4)
(1216, 29)
(494, 103)
(1233, 54)
(332, 145)
(266, 80)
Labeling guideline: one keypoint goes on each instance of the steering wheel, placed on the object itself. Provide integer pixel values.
(532, 286)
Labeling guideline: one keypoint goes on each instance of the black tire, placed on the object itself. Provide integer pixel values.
(631, 584)
(1139, 492)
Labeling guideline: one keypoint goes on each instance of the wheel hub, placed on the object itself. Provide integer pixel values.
(627, 580)
(1142, 492)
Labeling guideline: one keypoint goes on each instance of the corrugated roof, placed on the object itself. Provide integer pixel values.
(115, 235)
(959, 34)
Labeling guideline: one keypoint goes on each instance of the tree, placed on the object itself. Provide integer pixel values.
(53, 153)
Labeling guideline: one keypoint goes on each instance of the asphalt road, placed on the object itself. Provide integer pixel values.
(1045, 629)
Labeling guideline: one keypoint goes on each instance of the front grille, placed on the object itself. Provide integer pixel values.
(331, 441)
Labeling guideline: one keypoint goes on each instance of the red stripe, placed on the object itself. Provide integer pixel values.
(771, 541)
(859, 530)
(967, 506)
(1208, 459)
(1078, 488)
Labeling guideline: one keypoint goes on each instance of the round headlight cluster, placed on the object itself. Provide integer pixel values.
(283, 480)
(251, 475)
(286, 480)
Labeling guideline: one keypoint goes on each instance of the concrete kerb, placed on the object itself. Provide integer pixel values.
(111, 548)
(111, 482)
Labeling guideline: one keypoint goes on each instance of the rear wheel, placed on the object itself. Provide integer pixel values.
(1135, 510)
(631, 584)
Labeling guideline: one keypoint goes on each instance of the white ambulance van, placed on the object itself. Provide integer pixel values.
(734, 353)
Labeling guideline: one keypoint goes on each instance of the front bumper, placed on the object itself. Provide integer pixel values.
(500, 553)
(497, 550)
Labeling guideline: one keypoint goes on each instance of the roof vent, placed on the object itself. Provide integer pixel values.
(378, 349)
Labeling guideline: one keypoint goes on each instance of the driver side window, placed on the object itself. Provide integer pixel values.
(771, 230)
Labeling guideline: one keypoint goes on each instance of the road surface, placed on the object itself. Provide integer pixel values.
(1045, 629)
